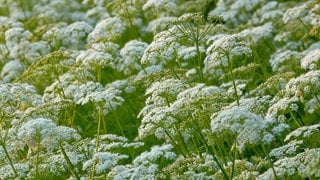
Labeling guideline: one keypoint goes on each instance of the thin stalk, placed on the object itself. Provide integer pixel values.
(196, 144)
(232, 77)
(174, 143)
(131, 109)
(181, 139)
(318, 100)
(99, 74)
(20, 3)
(195, 33)
(299, 123)
(304, 24)
(178, 62)
(199, 61)
(157, 22)
(129, 19)
(221, 151)
(177, 58)
(100, 116)
(220, 146)
(38, 135)
(79, 43)
(215, 158)
(74, 111)
(118, 123)
(270, 161)
(167, 100)
(93, 170)
(234, 158)
(73, 170)
(257, 60)
(213, 154)
(8, 157)
(119, 126)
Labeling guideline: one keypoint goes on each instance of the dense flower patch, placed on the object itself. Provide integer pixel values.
(159, 89)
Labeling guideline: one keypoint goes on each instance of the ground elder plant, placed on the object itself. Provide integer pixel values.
(158, 89)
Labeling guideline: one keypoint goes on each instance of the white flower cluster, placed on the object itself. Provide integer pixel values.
(131, 54)
(16, 35)
(56, 163)
(75, 35)
(11, 70)
(302, 12)
(269, 11)
(15, 97)
(282, 60)
(283, 106)
(164, 91)
(170, 101)
(290, 149)
(311, 60)
(237, 12)
(224, 53)
(92, 58)
(106, 98)
(159, 89)
(111, 142)
(300, 165)
(44, 133)
(103, 161)
(304, 86)
(157, 5)
(303, 132)
(145, 165)
(8, 173)
(249, 128)
(162, 49)
(109, 28)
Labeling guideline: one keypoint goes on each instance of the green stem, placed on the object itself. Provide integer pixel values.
(234, 158)
(119, 126)
(304, 24)
(99, 73)
(199, 62)
(318, 101)
(215, 159)
(257, 60)
(221, 149)
(100, 116)
(73, 170)
(157, 22)
(233, 78)
(174, 143)
(270, 161)
(179, 64)
(299, 123)
(74, 106)
(38, 135)
(8, 157)
(181, 139)
(79, 43)
(213, 154)
(196, 144)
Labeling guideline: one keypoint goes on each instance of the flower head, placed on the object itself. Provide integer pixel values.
(46, 133)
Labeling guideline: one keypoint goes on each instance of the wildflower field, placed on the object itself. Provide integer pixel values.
(160, 89)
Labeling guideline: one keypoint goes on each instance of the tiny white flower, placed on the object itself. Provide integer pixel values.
(311, 61)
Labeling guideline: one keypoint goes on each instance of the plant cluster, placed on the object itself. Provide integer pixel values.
(159, 89)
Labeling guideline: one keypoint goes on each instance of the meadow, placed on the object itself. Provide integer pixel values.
(160, 89)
